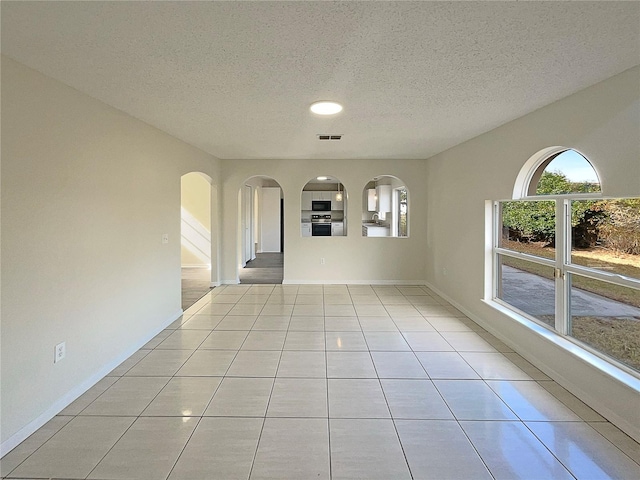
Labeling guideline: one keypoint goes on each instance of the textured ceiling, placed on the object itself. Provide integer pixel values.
(236, 78)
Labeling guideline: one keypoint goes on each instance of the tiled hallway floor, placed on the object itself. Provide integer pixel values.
(309, 382)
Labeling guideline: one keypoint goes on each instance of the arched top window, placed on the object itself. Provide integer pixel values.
(557, 171)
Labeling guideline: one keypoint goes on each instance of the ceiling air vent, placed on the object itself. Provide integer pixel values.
(329, 137)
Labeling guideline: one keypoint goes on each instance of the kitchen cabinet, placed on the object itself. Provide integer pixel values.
(375, 231)
(384, 198)
(321, 195)
(307, 198)
(337, 229)
(306, 229)
(372, 200)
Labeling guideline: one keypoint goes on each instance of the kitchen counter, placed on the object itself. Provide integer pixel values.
(375, 230)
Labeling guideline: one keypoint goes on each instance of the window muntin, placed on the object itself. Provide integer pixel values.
(599, 302)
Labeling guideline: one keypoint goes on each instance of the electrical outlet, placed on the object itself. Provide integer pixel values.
(322, 261)
(59, 352)
(165, 238)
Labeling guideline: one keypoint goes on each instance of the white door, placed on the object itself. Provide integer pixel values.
(271, 219)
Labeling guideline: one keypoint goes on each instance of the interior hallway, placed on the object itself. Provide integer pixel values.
(265, 268)
(333, 381)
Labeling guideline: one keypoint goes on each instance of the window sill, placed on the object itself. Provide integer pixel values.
(631, 380)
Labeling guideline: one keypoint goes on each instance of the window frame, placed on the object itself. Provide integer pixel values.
(562, 267)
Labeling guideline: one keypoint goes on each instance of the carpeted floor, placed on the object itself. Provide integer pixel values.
(266, 268)
(195, 283)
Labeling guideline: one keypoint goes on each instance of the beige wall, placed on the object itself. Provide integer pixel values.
(349, 259)
(195, 195)
(602, 122)
(87, 192)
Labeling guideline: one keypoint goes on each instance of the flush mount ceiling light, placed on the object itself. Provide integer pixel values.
(322, 178)
(325, 108)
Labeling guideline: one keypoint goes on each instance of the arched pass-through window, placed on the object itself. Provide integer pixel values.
(323, 202)
(385, 207)
(568, 258)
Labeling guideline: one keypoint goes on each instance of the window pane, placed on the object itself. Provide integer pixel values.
(568, 172)
(529, 227)
(605, 235)
(607, 317)
(402, 212)
(528, 286)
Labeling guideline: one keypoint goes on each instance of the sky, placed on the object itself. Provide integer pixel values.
(574, 166)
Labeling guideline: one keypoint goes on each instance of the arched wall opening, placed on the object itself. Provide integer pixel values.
(323, 201)
(196, 262)
(260, 240)
(385, 207)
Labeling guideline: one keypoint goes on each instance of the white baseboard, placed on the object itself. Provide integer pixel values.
(214, 284)
(230, 282)
(353, 282)
(630, 428)
(64, 401)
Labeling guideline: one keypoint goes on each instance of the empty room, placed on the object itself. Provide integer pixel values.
(338, 240)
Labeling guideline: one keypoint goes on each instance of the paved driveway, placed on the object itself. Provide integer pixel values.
(535, 295)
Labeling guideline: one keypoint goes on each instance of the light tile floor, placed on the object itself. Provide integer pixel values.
(302, 382)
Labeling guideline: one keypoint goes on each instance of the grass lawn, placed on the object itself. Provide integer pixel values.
(617, 337)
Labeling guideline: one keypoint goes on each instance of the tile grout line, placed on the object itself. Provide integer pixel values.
(464, 432)
(137, 417)
(326, 380)
(266, 411)
(326, 351)
(208, 403)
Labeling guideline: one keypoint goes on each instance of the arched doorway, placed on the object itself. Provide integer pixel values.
(195, 237)
(261, 235)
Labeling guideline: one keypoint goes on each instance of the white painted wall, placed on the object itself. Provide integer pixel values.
(270, 219)
(602, 122)
(348, 259)
(87, 192)
(195, 230)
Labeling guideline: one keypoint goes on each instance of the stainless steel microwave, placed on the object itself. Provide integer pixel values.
(321, 205)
